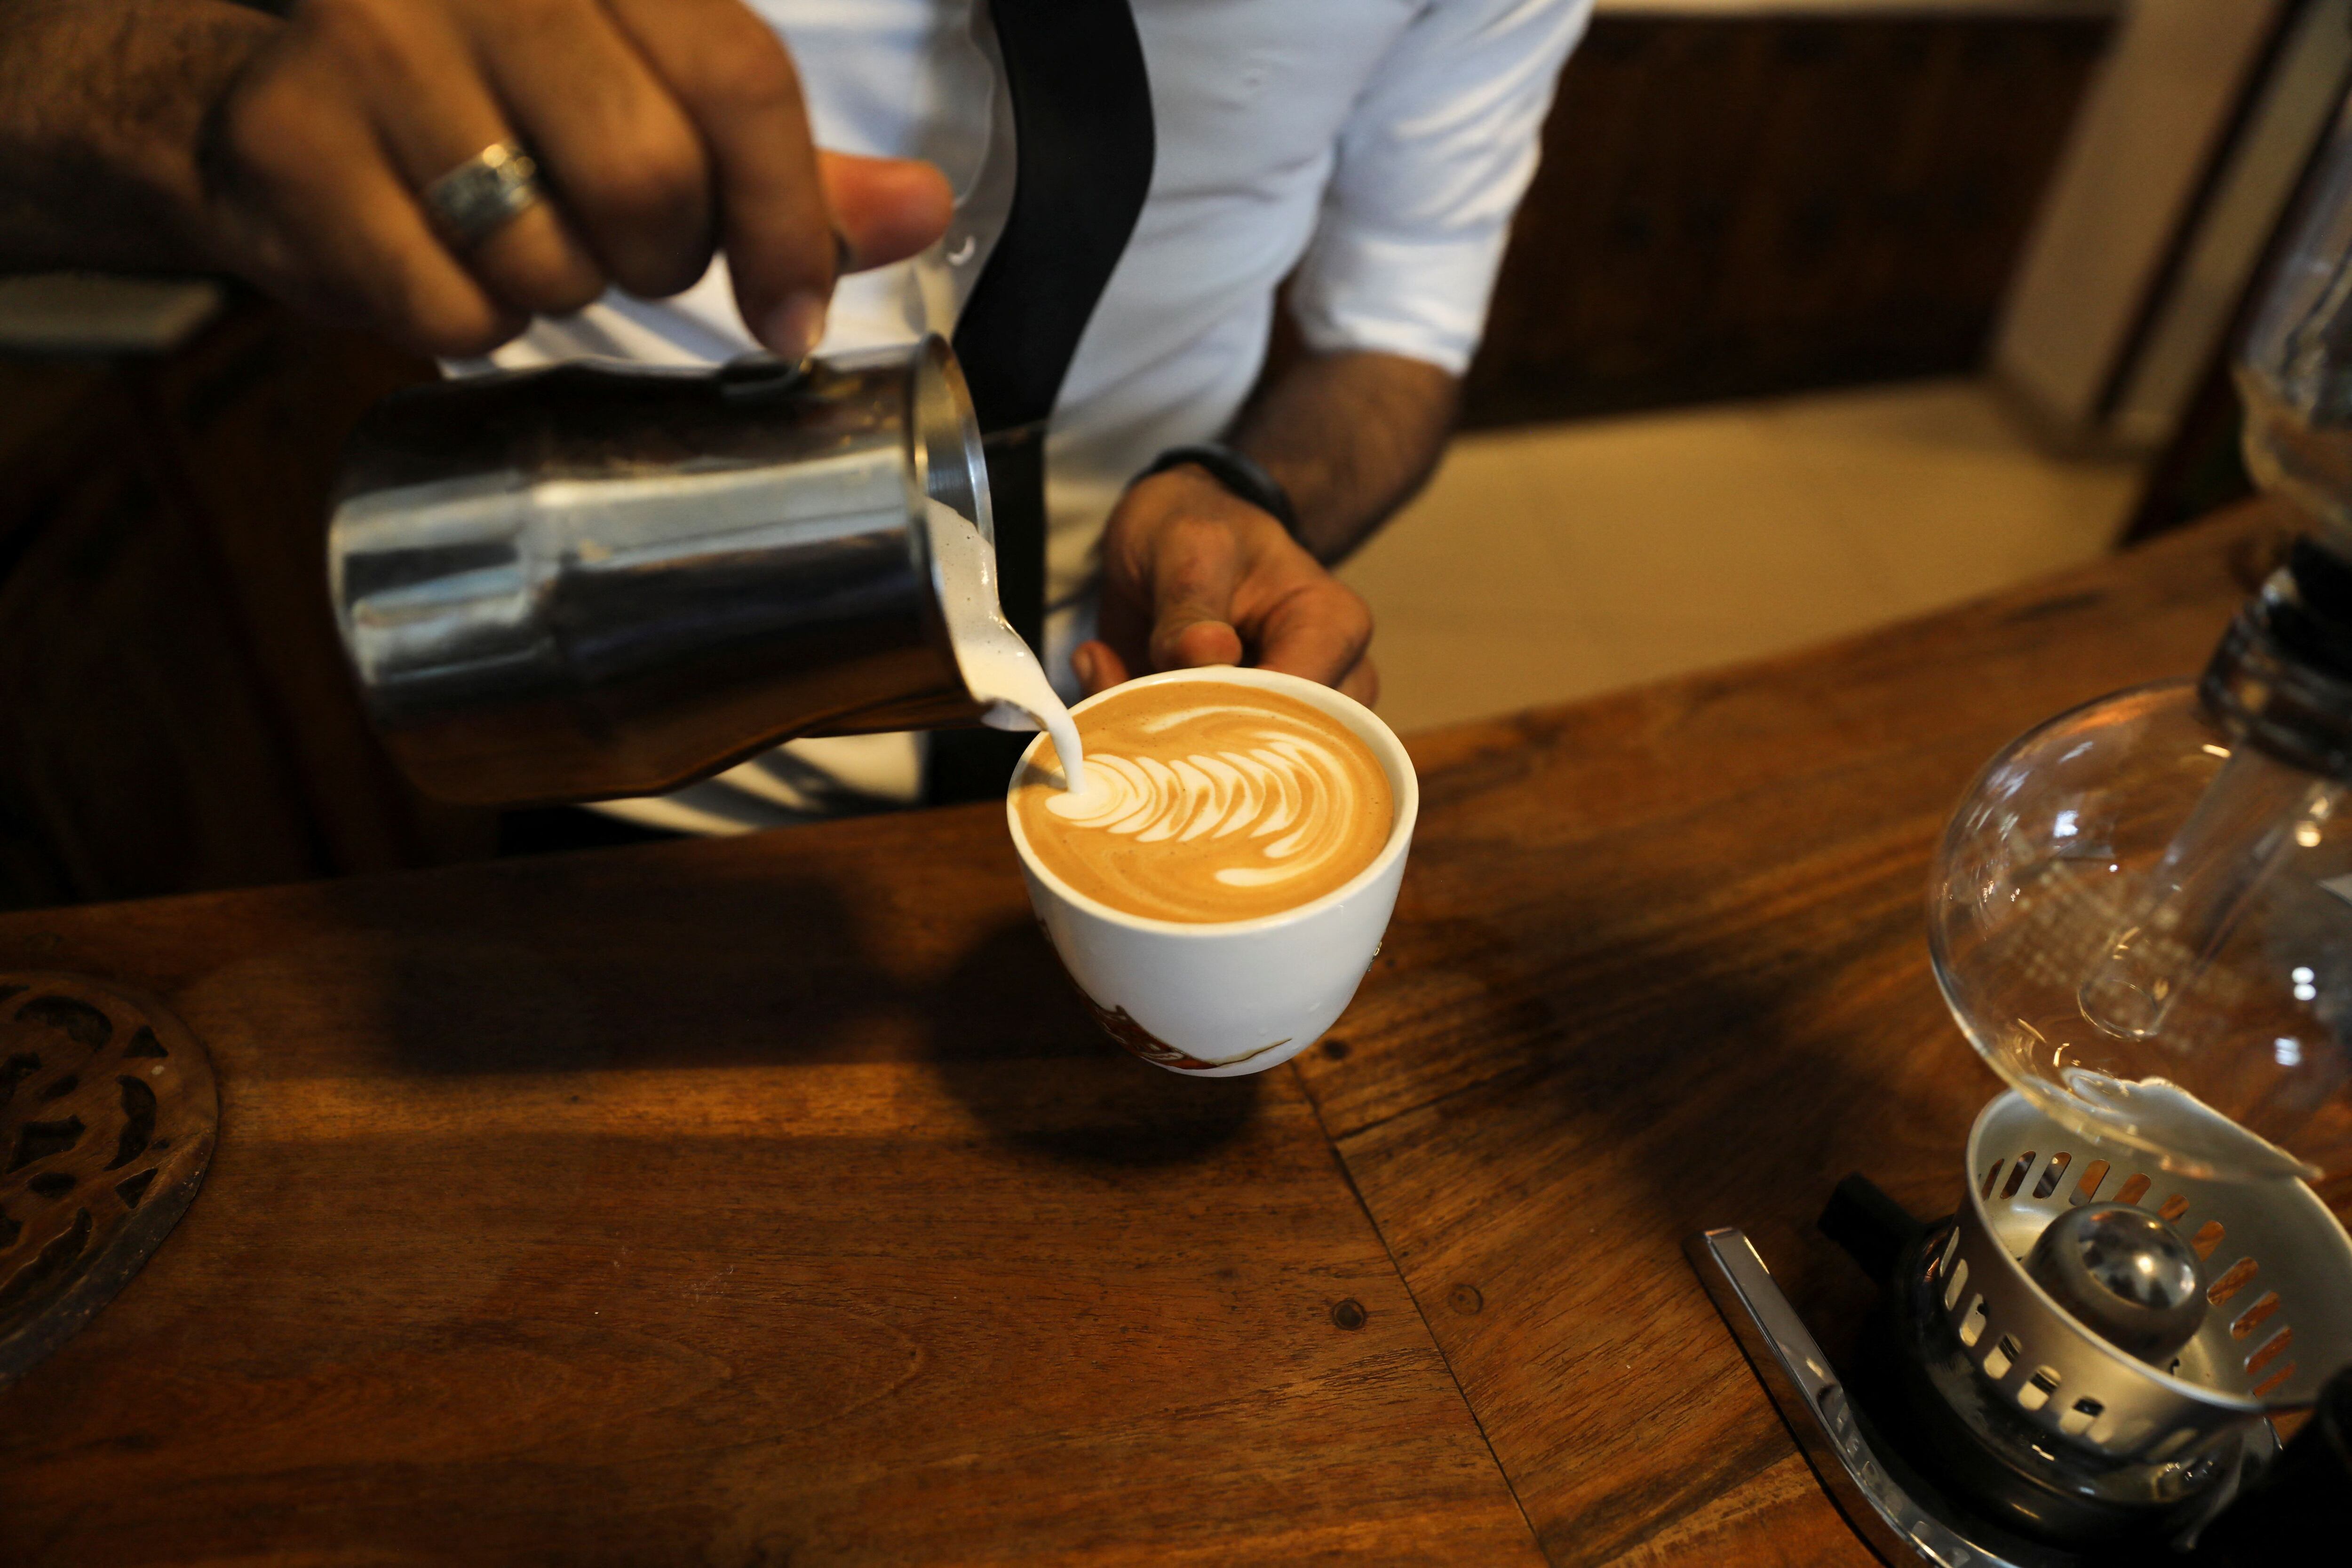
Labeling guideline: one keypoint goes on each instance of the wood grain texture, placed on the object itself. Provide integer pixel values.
(756, 1202)
(771, 1200)
(1661, 965)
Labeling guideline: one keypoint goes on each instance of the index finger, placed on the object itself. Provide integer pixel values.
(1318, 630)
(737, 84)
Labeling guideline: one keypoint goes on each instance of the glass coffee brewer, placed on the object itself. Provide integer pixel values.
(2141, 917)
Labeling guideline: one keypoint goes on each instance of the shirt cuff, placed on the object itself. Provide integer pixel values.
(1422, 299)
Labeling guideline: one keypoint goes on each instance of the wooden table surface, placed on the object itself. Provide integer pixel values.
(772, 1200)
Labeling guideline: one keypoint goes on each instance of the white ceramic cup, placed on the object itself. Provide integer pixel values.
(1230, 996)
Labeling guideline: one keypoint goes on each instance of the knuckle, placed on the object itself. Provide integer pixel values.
(368, 36)
(656, 183)
(550, 284)
(525, 17)
(748, 72)
(260, 128)
(449, 329)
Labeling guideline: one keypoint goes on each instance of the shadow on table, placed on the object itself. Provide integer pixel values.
(1015, 1044)
(1740, 1087)
(580, 962)
(570, 963)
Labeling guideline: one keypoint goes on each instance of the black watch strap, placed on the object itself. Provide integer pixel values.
(1237, 473)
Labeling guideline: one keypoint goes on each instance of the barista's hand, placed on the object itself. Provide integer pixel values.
(663, 128)
(1193, 575)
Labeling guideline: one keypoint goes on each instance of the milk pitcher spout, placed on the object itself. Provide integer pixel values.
(596, 580)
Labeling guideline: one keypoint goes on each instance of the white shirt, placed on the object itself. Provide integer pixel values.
(1377, 147)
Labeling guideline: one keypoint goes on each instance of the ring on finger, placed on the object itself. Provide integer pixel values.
(486, 192)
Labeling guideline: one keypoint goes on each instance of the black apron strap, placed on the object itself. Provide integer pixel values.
(1082, 165)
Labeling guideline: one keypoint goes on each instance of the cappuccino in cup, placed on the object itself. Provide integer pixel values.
(1205, 800)
(1218, 883)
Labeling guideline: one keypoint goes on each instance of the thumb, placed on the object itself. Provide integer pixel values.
(886, 208)
(1192, 620)
(1191, 645)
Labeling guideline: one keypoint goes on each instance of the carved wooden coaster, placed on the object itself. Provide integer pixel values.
(106, 1117)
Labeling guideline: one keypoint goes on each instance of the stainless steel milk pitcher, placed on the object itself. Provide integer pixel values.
(594, 580)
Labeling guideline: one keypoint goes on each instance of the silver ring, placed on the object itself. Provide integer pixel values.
(486, 192)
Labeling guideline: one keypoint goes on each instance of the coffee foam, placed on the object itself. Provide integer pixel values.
(1207, 800)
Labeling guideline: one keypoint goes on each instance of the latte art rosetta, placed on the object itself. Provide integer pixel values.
(1206, 801)
(1268, 789)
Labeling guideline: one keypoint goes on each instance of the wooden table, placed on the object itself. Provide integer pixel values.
(772, 1200)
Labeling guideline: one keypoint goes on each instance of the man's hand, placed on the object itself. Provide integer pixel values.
(201, 133)
(1192, 575)
(663, 127)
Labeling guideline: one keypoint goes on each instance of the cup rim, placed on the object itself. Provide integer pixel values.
(1362, 722)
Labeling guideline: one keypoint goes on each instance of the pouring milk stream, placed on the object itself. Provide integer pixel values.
(998, 667)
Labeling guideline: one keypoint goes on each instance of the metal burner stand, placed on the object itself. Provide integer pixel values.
(1836, 1440)
(1982, 1423)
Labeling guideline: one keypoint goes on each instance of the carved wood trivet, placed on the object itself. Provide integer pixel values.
(107, 1116)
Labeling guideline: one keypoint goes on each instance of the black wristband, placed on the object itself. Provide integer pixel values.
(1239, 474)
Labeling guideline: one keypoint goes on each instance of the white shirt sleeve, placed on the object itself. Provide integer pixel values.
(1432, 162)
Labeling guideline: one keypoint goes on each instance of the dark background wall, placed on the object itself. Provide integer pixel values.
(174, 712)
(1749, 206)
